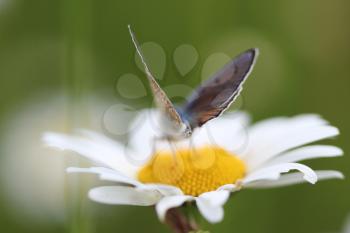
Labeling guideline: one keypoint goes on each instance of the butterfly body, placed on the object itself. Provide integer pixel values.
(207, 102)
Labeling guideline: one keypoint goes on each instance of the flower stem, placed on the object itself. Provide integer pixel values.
(179, 223)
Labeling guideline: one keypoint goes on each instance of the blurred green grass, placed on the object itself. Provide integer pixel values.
(81, 47)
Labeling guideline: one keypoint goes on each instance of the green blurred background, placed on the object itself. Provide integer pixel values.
(60, 62)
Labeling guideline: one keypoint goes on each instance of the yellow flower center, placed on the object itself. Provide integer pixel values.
(194, 171)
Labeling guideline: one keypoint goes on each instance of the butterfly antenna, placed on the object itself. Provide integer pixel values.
(138, 50)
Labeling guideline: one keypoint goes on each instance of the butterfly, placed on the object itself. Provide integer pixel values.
(207, 102)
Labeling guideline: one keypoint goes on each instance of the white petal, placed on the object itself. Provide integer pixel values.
(228, 187)
(165, 190)
(274, 172)
(293, 178)
(346, 227)
(296, 134)
(115, 176)
(212, 214)
(147, 128)
(210, 205)
(307, 152)
(121, 195)
(106, 174)
(99, 149)
(228, 131)
(215, 198)
(201, 136)
(268, 128)
(169, 202)
(266, 131)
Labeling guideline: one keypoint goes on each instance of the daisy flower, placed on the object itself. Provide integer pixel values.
(346, 227)
(222, 157)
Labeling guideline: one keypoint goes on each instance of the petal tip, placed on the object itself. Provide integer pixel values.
(312, 179)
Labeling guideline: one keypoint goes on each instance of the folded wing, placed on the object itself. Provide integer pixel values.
(161, 99)
(216, 94)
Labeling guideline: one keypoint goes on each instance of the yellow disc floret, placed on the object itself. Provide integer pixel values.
(194, 171)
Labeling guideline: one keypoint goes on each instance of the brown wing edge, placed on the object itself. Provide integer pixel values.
(159, 95)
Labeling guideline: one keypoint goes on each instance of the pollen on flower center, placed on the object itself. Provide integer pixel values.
(195, 170)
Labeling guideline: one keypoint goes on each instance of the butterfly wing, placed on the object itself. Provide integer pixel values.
(216, 94)
(161, 99)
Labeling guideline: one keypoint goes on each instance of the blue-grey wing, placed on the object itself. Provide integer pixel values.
(217, 93)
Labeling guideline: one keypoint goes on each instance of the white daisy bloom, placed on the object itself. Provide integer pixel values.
(223, 156)
(346, 227)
